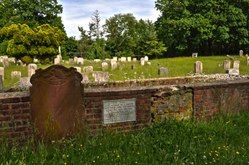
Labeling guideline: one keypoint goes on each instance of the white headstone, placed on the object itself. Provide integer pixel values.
(146, 58)
(88, 69)
(194, 55)
(5, 61)
(31, 69)
(75, 59)
(129, 59)
(12, 59)
(236, 64)
(114, 64)
(241, 52)
(142, 61)
(85, 78)
(97, 60)
(227, 64)
(57, 61)
(115, 58)
(80, 61)
(100, 77)
(2, 72)
(104, 66)
(198, 67)
(134, 59)
(233, 72)
(78, 69)
(123, 59)
(16, 74)
(36, 60)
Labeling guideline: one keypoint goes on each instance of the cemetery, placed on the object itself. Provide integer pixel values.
(127, 90)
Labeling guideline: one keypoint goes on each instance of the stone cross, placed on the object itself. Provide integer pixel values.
(227, 64)
(241, 52)
(104, 66)
(198, 67)
(12, 59)
(236, 64)
(2, 72)
(31, 69)
(16, 74)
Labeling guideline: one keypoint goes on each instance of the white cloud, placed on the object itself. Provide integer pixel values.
(78, 12)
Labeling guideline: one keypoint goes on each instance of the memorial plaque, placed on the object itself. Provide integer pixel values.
(117, 111)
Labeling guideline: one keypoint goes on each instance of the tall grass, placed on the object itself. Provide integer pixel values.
(224, 140)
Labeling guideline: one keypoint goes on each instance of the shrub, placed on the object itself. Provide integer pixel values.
(27, 59)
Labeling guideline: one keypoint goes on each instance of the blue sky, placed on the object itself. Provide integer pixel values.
(78, 12)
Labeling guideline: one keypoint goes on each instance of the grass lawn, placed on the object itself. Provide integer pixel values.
(180, 66)
(224, 140)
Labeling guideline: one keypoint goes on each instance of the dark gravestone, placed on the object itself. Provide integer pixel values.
(56, 102)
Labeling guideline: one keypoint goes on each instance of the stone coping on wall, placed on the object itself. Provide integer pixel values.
(10, 95)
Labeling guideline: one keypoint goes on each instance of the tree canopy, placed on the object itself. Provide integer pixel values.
(208, 26)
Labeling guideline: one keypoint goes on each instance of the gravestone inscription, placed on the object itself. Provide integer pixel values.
(121, 110)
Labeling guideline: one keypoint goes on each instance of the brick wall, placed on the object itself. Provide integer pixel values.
(93, 104)
(215, 98)
(15, 115)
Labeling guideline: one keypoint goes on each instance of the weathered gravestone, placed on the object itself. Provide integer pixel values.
(25, 83)
(16, 74)
(104, 66)
(5, 62)
(31, 69)
(162, 71)
(85, 78)
(114, 64)
(236, 64)
(2, 72)
(100, 77)
(241, 52)
(227, 64)
(80, 61)
(88, 69)
(56, 102)
(198, 67)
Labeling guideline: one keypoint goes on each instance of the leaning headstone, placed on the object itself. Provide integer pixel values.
(194, 55)
(1, 83)
(31, 69)
(85, 78)
(24, 83)
(241, 53)
(114, 64)
(198, 67)
(78, 69)
(134, 59)
(56, 102)
(123, 59)
(2, 72)
(146, 58)
(88, 69)
(129, 59)
(16, 74)
(80, 61)
(142, 61)
(233, 72)
(100, 77)
(162, 71)
(104, 66)
(227, 64)
(236, 64)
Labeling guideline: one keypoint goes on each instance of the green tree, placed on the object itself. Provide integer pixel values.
(208, 27)
(41, 42)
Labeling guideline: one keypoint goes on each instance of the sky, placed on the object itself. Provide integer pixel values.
(78, 12)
